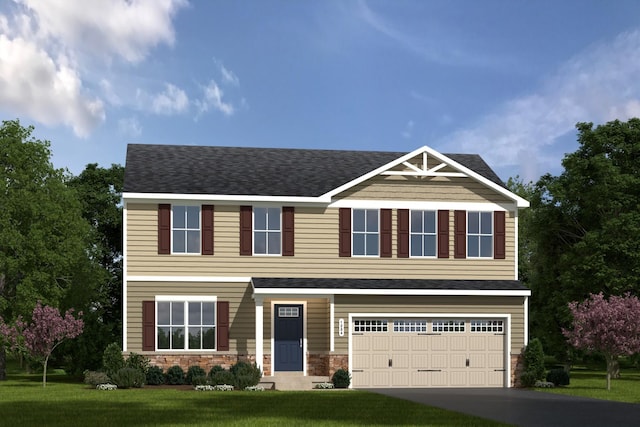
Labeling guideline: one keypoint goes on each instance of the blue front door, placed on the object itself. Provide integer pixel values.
(288, 337)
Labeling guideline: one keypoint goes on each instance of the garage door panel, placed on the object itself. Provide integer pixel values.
(408, 357)
(400, 343)
(457, 343)
(379, 342)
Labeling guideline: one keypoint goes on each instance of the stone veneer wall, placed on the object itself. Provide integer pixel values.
(517, 367)
(338, 361)
(206, 362)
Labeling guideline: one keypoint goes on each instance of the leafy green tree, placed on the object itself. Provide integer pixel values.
(99, 191)
(584, 223)
(43, 237)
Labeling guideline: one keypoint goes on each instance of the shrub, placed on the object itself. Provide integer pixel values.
(245, 375)
(199, 380)
(534, 359)
(106, 387)
(220, 376)
(95, 378)
(558, 376)
(341, 378)
(155, 375)
(138, 361)
(528, 379)
(174, 375)
(194, 371)
(128, 378)
(112, 359)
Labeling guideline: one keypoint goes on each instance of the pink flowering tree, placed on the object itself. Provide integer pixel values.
(609, 326)
(47, 330)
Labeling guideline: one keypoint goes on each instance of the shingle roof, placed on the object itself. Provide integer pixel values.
(186, 169)
(313, 283)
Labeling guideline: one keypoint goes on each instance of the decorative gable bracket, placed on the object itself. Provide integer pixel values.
(424, 170)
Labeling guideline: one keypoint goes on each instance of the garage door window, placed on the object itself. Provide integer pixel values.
(487, 326)
(409, 326)
(370, 326)
(447, 326)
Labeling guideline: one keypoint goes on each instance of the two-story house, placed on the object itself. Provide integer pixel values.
(400, 267)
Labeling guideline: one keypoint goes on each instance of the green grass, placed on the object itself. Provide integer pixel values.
(24, 402)
(593, 383)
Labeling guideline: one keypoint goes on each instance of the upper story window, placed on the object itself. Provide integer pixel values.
(267, 237)
(423, 234)
(479, 234)
(186, 325)
(186, 229)
(366, 232)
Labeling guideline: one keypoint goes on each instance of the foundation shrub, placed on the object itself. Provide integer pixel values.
(174, 375)
(245, 375)
(341, 378)
(155, 375)
(128, 378)
(220, 376)
(192, 372)
(558, 376)
(112, 359)
(93, 378)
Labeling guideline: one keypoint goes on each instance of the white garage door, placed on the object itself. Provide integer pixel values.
(428, 353)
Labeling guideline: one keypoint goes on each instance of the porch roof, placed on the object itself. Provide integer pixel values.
(396, 286)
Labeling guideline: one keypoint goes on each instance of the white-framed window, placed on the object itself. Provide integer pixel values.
(365, 232)
(186, 325)
(373, 325)
(447, 326)
(479, 235)
(423, 233)
(185, 229)
(288, 312)
(487, 326)
(409, 326)
(267, 231)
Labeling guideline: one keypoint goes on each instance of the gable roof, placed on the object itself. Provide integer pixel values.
(185, 169)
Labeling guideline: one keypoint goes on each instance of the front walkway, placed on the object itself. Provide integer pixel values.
(524, 407)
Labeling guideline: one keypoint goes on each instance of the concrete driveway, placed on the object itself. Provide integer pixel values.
(524, 407)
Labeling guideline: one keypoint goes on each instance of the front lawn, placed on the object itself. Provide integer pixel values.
(24, 402)
(593, 383)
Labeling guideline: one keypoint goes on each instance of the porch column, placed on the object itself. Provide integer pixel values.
(259, 332)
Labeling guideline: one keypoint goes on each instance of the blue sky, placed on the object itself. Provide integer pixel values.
(505, 79)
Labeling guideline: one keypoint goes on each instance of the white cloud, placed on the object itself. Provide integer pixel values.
(126, 28)
(33, 83)
(407, 133)
(130, 127)
(598, 85)
(172, 100)
(212, 97)
(50, 49)
(229, 76)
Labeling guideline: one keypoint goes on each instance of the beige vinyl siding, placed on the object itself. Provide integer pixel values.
(433, 189)
(241, 309)
(316, 252)
(345, 304)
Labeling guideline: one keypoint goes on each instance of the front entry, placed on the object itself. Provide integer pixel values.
(288, 337)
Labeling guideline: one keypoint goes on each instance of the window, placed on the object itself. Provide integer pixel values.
(447, 326)
(487, 326)
(423, 233)
(186, 229)
(370, 326)
(267, 237)
(186, 325)
(409, 326)
(366, 232)
(480, 234)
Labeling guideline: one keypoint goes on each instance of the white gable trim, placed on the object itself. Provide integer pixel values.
(301, 292)
(520, 202)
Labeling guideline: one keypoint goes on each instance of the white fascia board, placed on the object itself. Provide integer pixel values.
(389, 292)
(193, 279)
(428, 205)
(222, 198)
(520, 202)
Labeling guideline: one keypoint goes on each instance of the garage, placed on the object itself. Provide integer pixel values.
(428, 352)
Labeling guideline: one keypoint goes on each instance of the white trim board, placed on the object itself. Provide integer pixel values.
(195, 279)
(322, 293)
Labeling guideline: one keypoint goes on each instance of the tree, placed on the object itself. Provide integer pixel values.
(611, 327)
(100, 193)
(47, 330)
(44, 241)
(579, 227)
